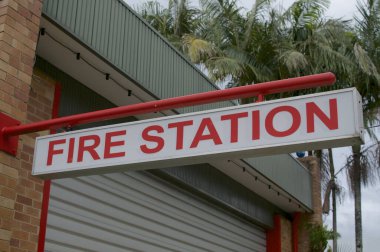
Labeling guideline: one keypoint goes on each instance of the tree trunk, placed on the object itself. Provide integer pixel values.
(358, 199)
(333, 195)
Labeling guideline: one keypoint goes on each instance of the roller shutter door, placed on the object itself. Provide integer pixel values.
(137, 211)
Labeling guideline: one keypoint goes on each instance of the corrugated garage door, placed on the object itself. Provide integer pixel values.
(137, 211)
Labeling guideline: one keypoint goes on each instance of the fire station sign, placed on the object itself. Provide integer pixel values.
(309, 122)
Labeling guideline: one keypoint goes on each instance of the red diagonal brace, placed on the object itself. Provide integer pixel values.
(279, 86)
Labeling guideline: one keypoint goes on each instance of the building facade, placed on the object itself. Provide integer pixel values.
(60, 58)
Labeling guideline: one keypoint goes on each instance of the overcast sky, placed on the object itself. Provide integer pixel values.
(345, 9)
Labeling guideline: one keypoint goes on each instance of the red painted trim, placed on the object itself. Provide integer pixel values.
(47, 183)
(272, 87)
(43, 218)
(295, 228)
(274, 236)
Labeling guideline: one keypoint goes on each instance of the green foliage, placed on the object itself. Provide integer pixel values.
(319, 236)
(263, 44)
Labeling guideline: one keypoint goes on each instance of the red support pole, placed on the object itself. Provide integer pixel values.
(47, 183)
(265, 88)
(295, 230)
(274, 236)
(260, 98)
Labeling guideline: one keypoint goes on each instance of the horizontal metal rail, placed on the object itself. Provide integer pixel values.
(259, 89)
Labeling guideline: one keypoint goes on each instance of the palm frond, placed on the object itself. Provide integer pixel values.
(369, 166)
(222, 67)
(365, 62)
(253, 17)
(294, 61)
(198, 50)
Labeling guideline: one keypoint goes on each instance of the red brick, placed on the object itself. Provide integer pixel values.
(26, 69)
(15, 242)
(14, 249)
(37, 204)
(7, 39)
(24, 12)
(33, 102)
(20, 190)
(4, 56)
(30, 109)
(3, 179)
(28, 149)
(24, 200)
(22, 217)
(23, 3)
(21, 95)
(32, 246)
(22, 173)
(35, 221)
(33, 238)
(6, 224)
(13, 80)
(6, 87)
(15, 163)
(38, 187)
(34, 195)
(29, 228)
(36, 19)
(34, 29)
(20, 234)
(36, 8)
(22, 106)
(4, 246)
(32, 211)
(3, 11)
(16, 16)
(25, 156)
(27, 183)
(44, 100)
(8, 193)
(6, 213)
(19, 207)
(32, 118)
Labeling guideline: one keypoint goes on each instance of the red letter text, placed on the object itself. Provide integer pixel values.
(312, 109)
(199, 136)
(159, 140)
(234, 119)
(89, 148)
(296, 121)
(52, 151)
(109, 143)
(180, 126)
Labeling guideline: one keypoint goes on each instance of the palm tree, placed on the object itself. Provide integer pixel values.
(172, 22)
(223, 44)
(332, 189)
(367, 51)
(266, 44)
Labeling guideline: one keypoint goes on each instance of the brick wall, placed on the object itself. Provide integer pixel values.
(23, 222)
(20, 194)
(286, 235)
(29, 189)
(316, 217)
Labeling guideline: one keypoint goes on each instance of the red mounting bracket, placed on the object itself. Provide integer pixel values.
(8, 143)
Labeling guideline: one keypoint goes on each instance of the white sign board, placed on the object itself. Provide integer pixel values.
(309, 122)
